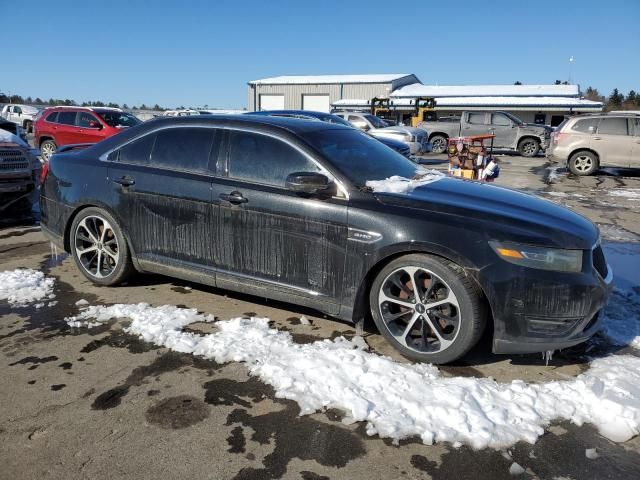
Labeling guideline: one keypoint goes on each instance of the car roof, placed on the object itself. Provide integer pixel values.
(308, 113)
(84, 109)
(293, 125)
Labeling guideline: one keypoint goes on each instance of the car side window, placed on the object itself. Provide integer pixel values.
(475, 118)
(17, 110)
(587, 125)
(137, 152)
(186, 148)
(500, 120)
(52, 117)
(263, 159)
(613, 126)
(67, 118)
(85, 120)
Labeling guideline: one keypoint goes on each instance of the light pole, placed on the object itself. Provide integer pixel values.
(571, 60)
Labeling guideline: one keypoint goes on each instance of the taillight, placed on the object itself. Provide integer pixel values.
(557, 137)
(44, 172)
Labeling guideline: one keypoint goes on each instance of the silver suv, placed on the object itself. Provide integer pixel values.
(587, 142)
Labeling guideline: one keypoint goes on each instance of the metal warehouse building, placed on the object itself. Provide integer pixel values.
(321, 91)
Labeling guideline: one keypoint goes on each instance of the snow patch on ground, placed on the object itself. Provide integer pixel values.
(24, 286)
(396, 400)
(397, 184)
(631, 193)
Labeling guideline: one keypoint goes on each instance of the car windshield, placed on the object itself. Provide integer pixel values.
(375, 121)
(360, 157)
(119, 119)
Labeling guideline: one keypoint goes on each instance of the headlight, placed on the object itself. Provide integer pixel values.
(542, 258)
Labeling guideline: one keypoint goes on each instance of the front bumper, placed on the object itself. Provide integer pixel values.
(537, 310)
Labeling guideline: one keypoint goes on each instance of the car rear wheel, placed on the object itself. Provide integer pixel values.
(427, 308)
(583, 163)
(529, 147)
(438, 144)
(99, 248)
(47, 148)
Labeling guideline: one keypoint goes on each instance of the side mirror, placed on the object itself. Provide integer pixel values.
(364, 126)
(309, 183)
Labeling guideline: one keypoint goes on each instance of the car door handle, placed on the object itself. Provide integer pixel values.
(596, 138)
(233, 197)
(125, 181)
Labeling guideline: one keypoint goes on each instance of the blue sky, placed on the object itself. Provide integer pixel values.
(197, 52)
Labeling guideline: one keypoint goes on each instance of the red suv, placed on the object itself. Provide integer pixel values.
(58, 126)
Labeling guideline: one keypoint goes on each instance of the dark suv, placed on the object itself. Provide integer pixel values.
(58, 126)
(286, 209)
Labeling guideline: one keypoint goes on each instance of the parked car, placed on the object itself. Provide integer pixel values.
(59, 126)
(22, 115)
(510, 132)
(398, 146)
(19, 173)
(587, 142)
(415, 138)
(284, 209)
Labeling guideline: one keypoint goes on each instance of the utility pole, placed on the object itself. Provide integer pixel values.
(571, 60)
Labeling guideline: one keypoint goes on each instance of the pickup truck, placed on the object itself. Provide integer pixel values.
(19, 173)
(510, 132)
(23, 115)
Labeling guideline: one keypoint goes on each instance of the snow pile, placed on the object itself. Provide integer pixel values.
(397, 400)
(23, 286)
(397, 184)
(622, 318)
(631, 193)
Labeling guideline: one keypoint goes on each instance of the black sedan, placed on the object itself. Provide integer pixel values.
(285, 209)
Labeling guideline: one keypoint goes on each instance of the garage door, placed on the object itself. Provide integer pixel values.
(271, 102)
(319, 103)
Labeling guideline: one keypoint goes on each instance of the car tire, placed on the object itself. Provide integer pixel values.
(583, 163)
(529, 147)
(99, 247)
(47, 148)
(438, 144)
(438, 334)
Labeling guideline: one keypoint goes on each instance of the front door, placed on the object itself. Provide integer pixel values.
(272, 237)
(89, 128)
(504, 130)
(613, 141)
(162, 188)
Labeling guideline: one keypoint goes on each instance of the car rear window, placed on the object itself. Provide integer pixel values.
(613, 126)
(185, 148)
(67, 118)
(587, 125)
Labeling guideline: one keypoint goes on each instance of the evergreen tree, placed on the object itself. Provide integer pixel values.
(616, 98)
(38, 101)
(517, 82)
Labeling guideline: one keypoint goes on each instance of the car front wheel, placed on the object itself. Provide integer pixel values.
(99, 248)
(529, 147)
(427, 308)
(583, 163)
(48, 148)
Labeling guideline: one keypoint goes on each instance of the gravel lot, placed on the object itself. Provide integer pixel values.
(98, 403)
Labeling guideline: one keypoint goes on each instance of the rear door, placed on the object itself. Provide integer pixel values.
(162, 190)
(89, 128)
(271, 237)
(65, 130)
(613, 141)
(504, 130)
(476, 123)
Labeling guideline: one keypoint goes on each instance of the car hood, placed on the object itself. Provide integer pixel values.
(503, 213)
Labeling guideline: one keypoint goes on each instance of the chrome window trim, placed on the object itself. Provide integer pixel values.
(341, 187)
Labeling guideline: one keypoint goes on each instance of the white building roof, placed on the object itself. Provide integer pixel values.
(440, 91)
(325, 79)
(507, 103)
